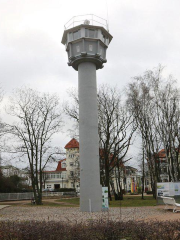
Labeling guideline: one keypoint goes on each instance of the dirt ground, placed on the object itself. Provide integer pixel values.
(17, 210)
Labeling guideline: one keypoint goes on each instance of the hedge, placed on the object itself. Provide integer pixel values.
(94, 230)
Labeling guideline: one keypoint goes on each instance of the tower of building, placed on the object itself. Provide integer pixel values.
(72, 163)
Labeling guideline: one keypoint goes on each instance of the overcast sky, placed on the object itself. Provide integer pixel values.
(145, 33)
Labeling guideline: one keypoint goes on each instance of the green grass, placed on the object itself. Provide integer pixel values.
(133, 201)
(129, 201)
(50, 204)
(45, 204)
(75, 201)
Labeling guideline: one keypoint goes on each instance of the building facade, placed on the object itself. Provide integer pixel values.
(10, 170)
(55, 179)
(67, 173)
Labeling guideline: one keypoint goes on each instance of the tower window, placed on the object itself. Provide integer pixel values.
(76, 35)
(90, 48)
(78, 48)
(104, 38)
(86, 33)
(91, 33)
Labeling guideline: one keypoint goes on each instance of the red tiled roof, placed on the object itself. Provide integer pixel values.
(72, 144)
(111, 155)
(59, 167)
(162, 153)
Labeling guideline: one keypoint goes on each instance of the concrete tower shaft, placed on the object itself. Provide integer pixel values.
(90, 189)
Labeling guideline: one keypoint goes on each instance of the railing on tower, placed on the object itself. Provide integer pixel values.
(89, 19)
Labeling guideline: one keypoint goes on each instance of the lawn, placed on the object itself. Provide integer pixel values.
(129, 201)
(74, 201)
(134, 201)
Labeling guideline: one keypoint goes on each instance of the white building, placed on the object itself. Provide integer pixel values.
(66, 174)
(10, 170)
(56, 179)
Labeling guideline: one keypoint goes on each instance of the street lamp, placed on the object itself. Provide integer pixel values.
(62, 182)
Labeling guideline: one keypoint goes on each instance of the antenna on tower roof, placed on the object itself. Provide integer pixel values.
(107, 16)
(87, 22)
(0, 160)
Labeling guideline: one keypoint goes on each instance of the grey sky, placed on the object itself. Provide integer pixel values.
(145, 33)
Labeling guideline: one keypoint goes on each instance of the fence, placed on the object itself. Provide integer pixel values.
(30, 195)
(15, 196)
(52, 194)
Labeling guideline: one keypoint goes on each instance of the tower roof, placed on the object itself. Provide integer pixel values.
(162, 153)
(72, 144)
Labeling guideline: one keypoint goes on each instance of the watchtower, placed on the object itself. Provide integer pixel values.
(86, 39)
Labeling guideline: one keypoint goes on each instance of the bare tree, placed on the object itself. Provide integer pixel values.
(39, 118)
(154, 104)
(115, 130)
(168, 123)
(141, 106)
(3, 132)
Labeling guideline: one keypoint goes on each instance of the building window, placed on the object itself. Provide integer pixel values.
(71, 173)
(48, 186)
(53, 175)
(76, 164)
(63, 165)
(58, 175)
(71, 164)
(46, 176)
(72, 184)
(63, 175)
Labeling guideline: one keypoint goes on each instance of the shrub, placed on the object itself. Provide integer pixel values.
(65, 190)
(134, 193)
(149, 192)
(100, 230)
(139, 189)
